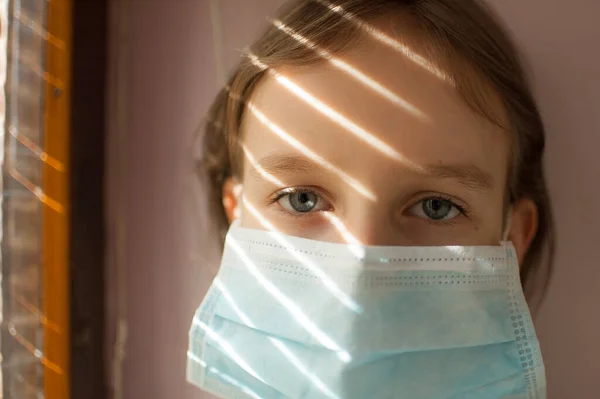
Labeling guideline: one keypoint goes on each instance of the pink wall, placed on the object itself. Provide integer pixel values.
(168, 250)
(170, 82)
(562, 44)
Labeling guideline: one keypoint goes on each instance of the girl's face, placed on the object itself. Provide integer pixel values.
(376, 149)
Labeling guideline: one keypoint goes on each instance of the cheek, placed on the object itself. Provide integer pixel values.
(481, 225)
(251, 210)
(489, 230)
(313, 226)
(249, 221)
(422, 232)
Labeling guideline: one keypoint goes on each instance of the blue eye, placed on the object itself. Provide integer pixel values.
(436, 208)
(302, 201)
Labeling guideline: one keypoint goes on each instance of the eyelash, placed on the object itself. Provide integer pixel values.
(461, 209)
(297, 190)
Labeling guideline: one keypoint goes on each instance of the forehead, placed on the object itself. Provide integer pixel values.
(374, 108)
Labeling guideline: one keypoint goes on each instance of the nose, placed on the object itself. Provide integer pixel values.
(369, 229)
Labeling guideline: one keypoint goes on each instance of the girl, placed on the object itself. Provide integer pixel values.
(380, 163)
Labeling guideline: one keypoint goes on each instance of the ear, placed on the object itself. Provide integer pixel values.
(231, 198)
(524, 225)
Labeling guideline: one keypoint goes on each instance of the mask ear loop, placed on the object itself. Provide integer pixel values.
(237, 212)
(507, 225)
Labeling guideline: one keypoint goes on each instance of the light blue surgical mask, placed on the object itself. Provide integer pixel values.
(294, 318)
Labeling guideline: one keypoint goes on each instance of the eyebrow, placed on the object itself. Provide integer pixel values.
(468, 175)
(285, 164)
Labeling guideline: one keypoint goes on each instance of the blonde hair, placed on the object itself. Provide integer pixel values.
(463, 36)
